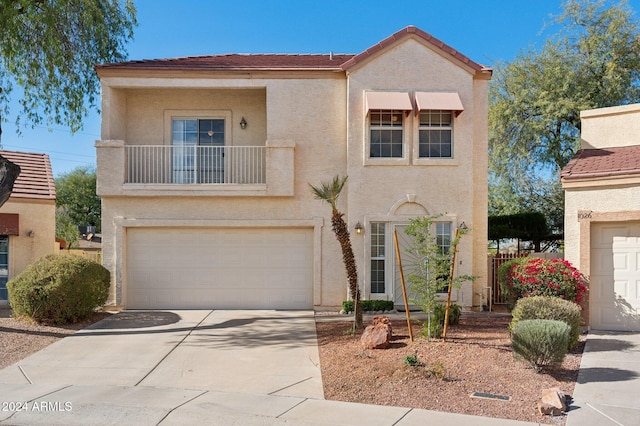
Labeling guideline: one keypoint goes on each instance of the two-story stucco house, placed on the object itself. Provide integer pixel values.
(205, 163)
(602, 215)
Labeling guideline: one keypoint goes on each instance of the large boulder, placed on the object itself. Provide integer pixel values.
(378, 335)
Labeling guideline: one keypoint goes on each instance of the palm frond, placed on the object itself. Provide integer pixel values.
(329, 191)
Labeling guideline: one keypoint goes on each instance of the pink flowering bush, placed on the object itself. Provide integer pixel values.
(531, 276)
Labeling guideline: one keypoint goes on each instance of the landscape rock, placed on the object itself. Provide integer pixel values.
(381, 319)
(548, 410)
(376, 336)
(555, 398)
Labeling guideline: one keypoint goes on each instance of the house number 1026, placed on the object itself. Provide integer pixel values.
(584, 215)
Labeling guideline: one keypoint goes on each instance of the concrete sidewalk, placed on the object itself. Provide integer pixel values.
(144, 405)
(607, 391)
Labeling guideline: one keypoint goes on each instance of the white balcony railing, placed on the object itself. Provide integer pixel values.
(188, 164)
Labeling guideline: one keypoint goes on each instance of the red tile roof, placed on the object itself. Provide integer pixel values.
(238, 62)
(592, 163)
(36, 177)
(275, 62)
(424, 35)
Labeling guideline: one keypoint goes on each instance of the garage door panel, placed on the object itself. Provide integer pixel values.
(224, 268)
(615, 278)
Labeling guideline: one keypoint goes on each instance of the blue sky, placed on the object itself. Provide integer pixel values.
(486, 31)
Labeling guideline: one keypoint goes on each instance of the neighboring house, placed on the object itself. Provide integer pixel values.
(205, 163)
(602, 215)
(28, 218)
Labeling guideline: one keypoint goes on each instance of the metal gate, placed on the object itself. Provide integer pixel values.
(496, 261)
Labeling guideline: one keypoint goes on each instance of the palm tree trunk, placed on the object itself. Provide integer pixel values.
(341, 231)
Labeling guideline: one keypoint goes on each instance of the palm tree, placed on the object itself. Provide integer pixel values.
(329, 192)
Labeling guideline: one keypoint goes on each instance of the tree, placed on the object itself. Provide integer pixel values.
(329, 192)
(431, 265)
(535, 101)
(49, 48)
(66, 229)
(76, 196)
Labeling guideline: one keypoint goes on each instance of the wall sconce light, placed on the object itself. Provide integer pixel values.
(359, 228)
(243, 123)
(31, 234)
(462, 226)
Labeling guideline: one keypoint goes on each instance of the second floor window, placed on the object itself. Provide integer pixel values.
(386, 134)
(436, 134)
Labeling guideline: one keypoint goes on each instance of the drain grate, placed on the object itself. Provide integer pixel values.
(482, 395)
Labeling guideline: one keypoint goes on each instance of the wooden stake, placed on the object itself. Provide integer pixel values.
(453, 264)
(404, 289)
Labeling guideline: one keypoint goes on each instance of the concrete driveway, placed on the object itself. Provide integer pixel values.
(266, 352)
(192, 367)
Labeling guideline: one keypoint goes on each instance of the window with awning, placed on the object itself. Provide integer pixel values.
(9, 224)
(388, 101)
(443, 101)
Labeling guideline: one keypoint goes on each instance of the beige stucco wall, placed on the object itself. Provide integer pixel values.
(306, 113)
(320, 117)
(457, 187)
(585, 205)
(610, 127)
(36, 216)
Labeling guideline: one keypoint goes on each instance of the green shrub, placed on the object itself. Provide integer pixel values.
(436, 328)
(532, 276)
(58, 289)
(369, 305)
(504, 272)
(540, 342)
(550, 308)
(454, 314)
(412, 360)
(437, 320)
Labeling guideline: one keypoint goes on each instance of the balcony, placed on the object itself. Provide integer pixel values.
(187, 170)
(190, 164)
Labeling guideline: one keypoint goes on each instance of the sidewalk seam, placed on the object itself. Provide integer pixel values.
(180, 405)
(174, 348)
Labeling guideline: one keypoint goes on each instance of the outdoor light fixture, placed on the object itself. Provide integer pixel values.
(243, 123)
(462, 226)
(359, 228)
(31, 234)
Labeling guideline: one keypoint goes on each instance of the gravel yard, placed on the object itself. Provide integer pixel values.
(476, 357)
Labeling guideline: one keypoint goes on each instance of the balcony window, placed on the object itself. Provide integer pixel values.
(197, 150)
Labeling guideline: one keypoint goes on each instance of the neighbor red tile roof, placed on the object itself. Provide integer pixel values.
(275, 62)
(36, 177)
(605, 162)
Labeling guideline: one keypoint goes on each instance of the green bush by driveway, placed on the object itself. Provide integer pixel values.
(59, 289)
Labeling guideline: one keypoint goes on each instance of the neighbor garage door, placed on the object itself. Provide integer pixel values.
(222, 268)
(615, 276)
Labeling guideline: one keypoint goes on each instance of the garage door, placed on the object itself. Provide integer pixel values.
(222, 268)
(615, 277)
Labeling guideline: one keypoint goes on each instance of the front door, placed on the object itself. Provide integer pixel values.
(409, 266)
(442, 234)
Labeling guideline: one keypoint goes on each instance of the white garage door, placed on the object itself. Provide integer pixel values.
(615, 277)
(222, 268)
